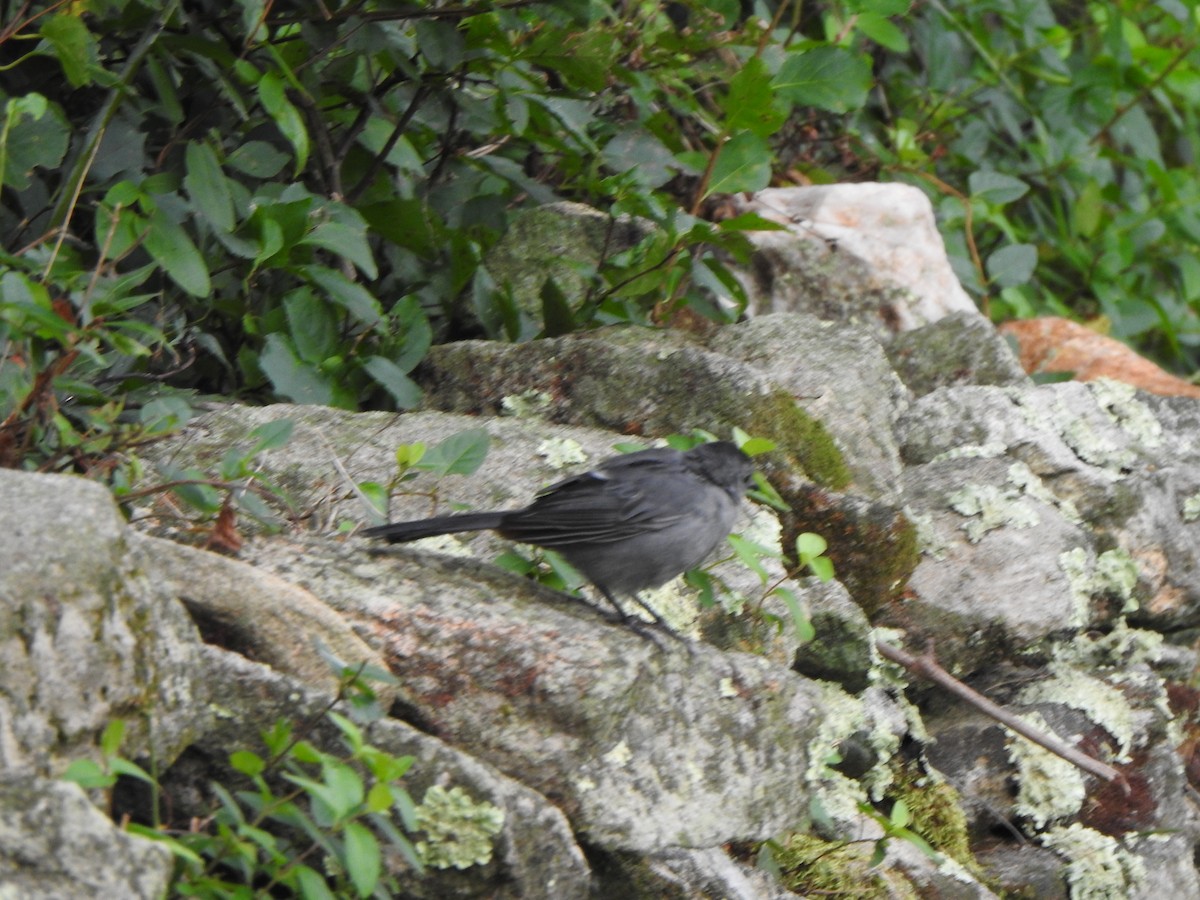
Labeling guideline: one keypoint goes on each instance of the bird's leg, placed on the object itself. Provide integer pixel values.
(637, 624)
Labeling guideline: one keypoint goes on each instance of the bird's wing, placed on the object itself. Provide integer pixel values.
(593, 508)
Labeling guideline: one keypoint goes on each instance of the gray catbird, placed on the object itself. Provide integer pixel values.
(634, 522)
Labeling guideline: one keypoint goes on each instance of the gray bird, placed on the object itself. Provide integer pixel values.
(634, 522)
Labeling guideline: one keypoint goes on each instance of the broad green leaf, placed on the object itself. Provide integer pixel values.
(744, 164)
(257, 159)
(829, 77)
(1012, 265)
(459, 454)
(312, 325)
(290, 377)
(207, 186)
(363, 859)
(353, 298)
(392, 378)
(413, 324)
(345, 240)
(750, 104)
(995, 187)
(173, 249)
(33, 134)
(882, 31)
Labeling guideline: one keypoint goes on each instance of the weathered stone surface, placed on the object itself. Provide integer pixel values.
(85, 634)
(55, 844)
(535, 855)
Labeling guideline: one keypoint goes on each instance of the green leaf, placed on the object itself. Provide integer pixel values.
(412, 323)
(247, 763)
(353, 298)
(313, 885)
(460, 454)
(744, 164)
(34, 134)
(750, 103)
(347, 241)
(88, 775)
(312, 325)
(290, 377)
(257, 159)
(557, 315)
(173, 249)
(829, 77)
(208, 187)
(1012, 265)
(882, 31)
(74, 46)
(286, 117)
(406, 392)
(751, 555)
(363, 859)
(272, 435)
(111, 738)
(996, 188)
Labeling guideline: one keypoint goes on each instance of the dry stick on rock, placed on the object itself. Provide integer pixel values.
(927, 667)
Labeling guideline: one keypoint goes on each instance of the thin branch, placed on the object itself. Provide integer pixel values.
(927, 667)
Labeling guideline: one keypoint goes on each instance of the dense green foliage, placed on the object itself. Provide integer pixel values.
(276, 200)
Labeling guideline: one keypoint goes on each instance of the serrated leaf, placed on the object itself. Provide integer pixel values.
(750, 104)
(74, 46)
(829, 77)
(744, 164)
(208, 187)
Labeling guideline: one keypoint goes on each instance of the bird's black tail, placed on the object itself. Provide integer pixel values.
(400, 532)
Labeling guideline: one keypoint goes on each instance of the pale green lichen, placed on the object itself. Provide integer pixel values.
(526, 405)
(560, 453)
(1191, 508)
(1120, 401)
(929, 540)
(726, 689)
(1049, 787)
(458, 830)
(1113, 574)
(1100, 702)
(988, 507)
(841, 716)
(1098, 867)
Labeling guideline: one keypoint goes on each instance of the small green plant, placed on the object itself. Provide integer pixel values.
(308, 821)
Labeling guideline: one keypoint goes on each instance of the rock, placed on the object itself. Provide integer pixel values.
(86, 635)
(1052, 345)
(962, 348)
(55, 844)
(533, 856)
(868, 254)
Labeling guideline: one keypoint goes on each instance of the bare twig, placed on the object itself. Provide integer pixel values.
(927, 667)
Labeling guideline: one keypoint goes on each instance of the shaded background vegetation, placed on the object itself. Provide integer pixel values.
(273, 200)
